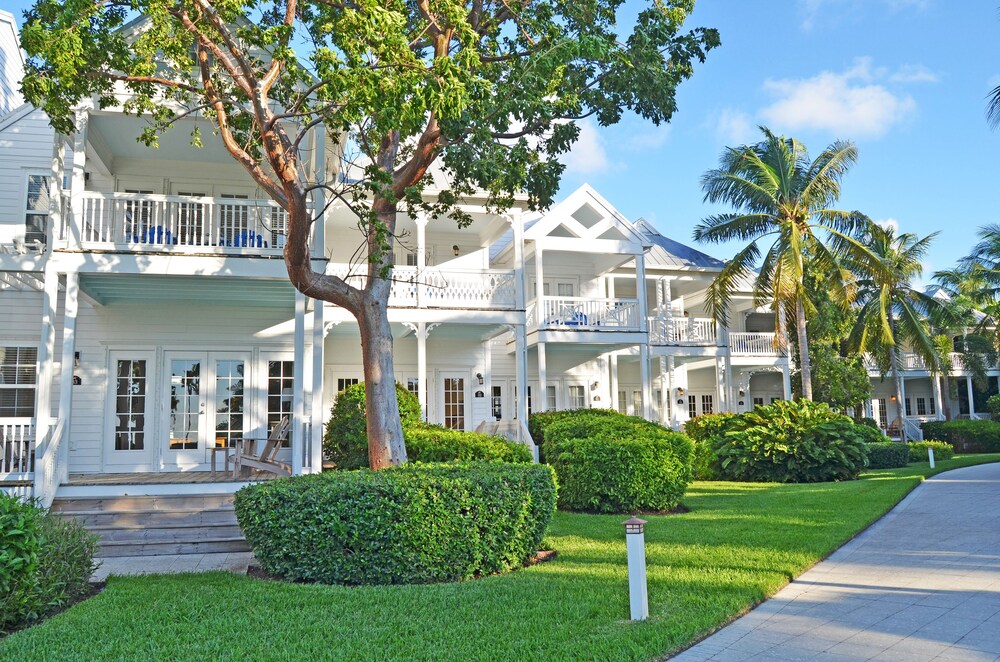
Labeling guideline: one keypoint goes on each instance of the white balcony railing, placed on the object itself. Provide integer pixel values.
(145, 222)
(17, 456)
(584, 313)
(442, 288)
(752, 344)
(682, 331)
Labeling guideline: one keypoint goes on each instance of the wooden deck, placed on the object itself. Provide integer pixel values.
(161, 478)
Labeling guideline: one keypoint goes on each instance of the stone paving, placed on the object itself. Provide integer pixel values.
(923, 583)
(172, 563)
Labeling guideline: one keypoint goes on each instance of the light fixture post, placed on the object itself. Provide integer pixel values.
(635, 545)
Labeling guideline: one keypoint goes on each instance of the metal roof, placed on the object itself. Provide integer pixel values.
(673, 254)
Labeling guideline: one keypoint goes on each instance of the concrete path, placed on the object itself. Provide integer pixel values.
(923, 583)
(173, 563)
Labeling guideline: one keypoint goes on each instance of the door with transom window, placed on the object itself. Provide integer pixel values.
(206, 406)
(454, 398)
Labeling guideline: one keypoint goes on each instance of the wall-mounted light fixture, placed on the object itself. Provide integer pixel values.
(742, 393)
(479, 376)
(454, 249)
(595, 386)
(680, 391)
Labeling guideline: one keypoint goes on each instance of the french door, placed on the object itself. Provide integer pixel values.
(130, 444)
(454, 397)
(206, 405)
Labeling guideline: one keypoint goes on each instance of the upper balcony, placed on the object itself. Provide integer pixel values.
(584, 314)
(430, 287)
(174, 223)
(703, 332)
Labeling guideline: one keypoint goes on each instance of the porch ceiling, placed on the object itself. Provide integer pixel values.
(119, 133)
(109, 289)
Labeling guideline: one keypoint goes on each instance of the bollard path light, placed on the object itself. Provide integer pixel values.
(930, 456)
(635, 544)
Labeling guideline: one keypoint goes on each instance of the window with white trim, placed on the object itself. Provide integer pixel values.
(18, 378)
(280, 385)
(577, 397)
(921, 406)
(36, 210)
(550, 398)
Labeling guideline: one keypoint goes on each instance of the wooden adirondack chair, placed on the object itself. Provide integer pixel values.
(245, 458)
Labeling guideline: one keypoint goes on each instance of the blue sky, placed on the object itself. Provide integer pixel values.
(906, 80)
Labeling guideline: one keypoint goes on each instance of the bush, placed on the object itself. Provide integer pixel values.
(869, 422)
(434, 443)
(871, 435)
(404, 525)
(702, 430)
(539, 421)
(918, 450)
(888, 455)
(45, 562)
(791, 442)
(618, 464)
(993, 406)
(966, 436)
(345, 442)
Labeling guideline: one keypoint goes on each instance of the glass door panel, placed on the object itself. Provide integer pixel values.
(185, 413)
(230, 402)
(454, 403)
(128, 445)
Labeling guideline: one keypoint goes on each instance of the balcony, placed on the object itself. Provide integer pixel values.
(166, 223)
(692, 331)
(752, 344)
(585, 314)
(485, 289)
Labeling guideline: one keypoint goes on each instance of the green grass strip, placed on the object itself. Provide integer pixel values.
(738, 544)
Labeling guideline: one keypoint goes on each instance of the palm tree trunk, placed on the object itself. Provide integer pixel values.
(805, 369)
(898, 379)
(945, 398)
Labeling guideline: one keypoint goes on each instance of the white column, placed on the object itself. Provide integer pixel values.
(720, 387)
(786, 380)
(521, 363)
(541, 398)
(421, 220)
(70, 307)
(668, 296)
(43, 390)
(298, 374)
(640, 273)
(78, 180)
(647, 389)
(539, 288)
(613, 380)
(674, 407)
(902, 403)
(732, 392)
(55, 189)
(968, 386)
(319, 207)
(517, 226)
(664, 392)
(611, 286)
(317, 403)
(421, 334)
(938, 400)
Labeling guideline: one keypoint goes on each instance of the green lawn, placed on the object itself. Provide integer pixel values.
(738, 544)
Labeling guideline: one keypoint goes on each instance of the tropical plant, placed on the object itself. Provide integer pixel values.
(891, 313)
(782, 197)
(492, 90)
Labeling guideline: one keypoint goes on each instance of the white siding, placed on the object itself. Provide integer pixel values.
(11, 64)
(25, 147)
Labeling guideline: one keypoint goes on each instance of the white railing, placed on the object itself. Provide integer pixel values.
(583, 313)
(441, 288)
(752, 344)
(913, 430)
(682, 331)
(17, 456)
(170, 222)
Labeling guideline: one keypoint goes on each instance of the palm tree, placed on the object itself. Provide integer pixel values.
(780, 196)
(891, 313)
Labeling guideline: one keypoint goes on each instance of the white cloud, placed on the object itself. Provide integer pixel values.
(588, 155)
(648, 137)
(889, 223)
(914, 73)
(850, 103)
(734, 127)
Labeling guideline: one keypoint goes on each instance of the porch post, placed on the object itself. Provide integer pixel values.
(521, 365)
(421, 221)
(421, 334)
(968, 387)
(517, 227)
(902, 403)
(66, 371)
(56, 220)
(786, 380)
(78, 180)
(43, 390)
(319, 201)
(539, 289)
(664, 391)
(298, 373)
(674, 407)
(317, 403)
(732, 392)
(613, 381)
(669, 312)
(640, 290)
(938, 400)
(647, 396)
(541, 399)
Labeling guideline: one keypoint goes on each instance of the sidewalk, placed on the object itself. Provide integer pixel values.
(923, 583)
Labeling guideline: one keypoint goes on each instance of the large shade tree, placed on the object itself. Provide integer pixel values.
(783, 199)
(491, 89)
(892, 314)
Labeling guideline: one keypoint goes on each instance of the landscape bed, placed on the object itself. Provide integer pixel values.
(738, 544)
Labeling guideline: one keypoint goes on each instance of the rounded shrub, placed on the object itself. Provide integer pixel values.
(45, 562)
(869, 422)
(404, 525)
(790, 442)
(618, 464)
(345, 441)
(918, 450)
(702, 430)
(435, 443)
(870, 435)
(539, 421)
(966, 436)
(888, 455)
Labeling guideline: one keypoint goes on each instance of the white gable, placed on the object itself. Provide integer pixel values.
(588, 217)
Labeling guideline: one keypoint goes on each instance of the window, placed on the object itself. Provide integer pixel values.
(344, 382)
(692, 406)
(280, 385)
(234, 220)
(36, 210)
(622, 403)
(18, 375)
(130, 405)
(932, 407)
(909, 410)
(190, 216)
(279, 227)
(657, 402)
(706, 404)
(565, 289)
(636, 402)
(883, 421)
(529, 400)
(577, 397)
(412, 385)
(775, 399)
(137, 217)
(758, 402)
(496, 403)
(454, 403)
(921, 406)
(229, 401)
(550, 398)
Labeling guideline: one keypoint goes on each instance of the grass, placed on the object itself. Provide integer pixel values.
(738, 544)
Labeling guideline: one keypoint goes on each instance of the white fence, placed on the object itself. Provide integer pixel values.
(752, 344)
(442, 288)
(682, 331)
(17, 456)
(587, 314)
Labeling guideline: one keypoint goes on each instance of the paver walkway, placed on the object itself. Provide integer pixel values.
(172, 563)
(923, 583)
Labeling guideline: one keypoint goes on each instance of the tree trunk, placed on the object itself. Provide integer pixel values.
(805, 369)
(385, 432)
(898, 379)
(945, 398)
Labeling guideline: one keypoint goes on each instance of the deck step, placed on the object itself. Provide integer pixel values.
(158, 524)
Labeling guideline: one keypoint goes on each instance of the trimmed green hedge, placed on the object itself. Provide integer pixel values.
(345, 441)
(538, 422)
(435, 443)
(942, 451)
(967, 436)
(791, 442)
(45, 562)
(404, 525)
(618, 464)
(888, 455)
